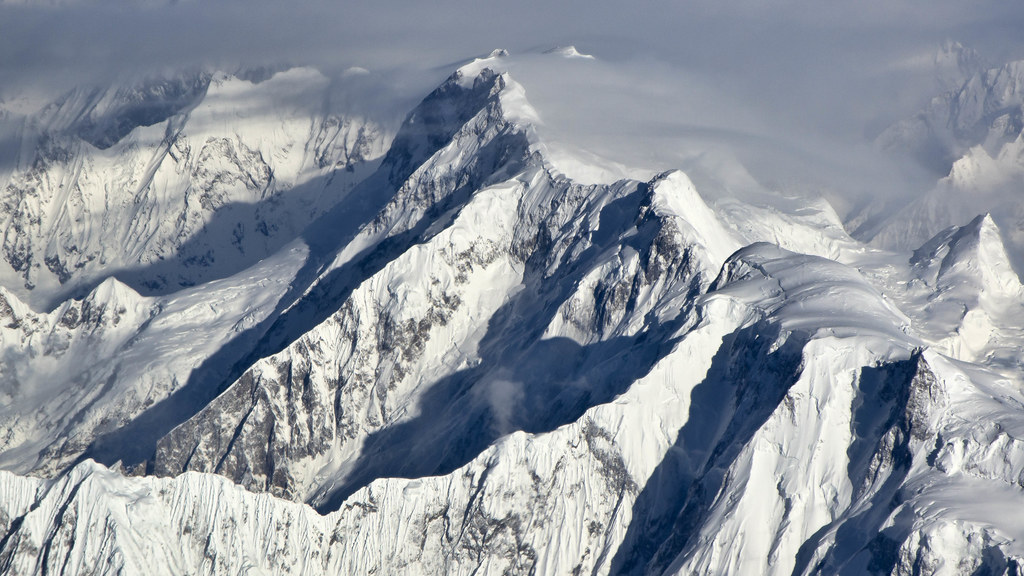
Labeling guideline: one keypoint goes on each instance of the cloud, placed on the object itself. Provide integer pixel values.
(503, 397)
(86, 39)
(815, 79)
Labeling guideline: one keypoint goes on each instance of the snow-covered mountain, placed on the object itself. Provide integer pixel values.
(172, 182)
(444, 355)
(972, 138)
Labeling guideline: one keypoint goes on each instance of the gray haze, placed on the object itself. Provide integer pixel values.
(792, 47)
(804, 75)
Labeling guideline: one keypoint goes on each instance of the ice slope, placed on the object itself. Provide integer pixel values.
(174, 356)
(831, 458)
(47, 360)
(169, 183)
(960, 291)
(456, 323)
(411, 339)
(975, 301)
(550, 503)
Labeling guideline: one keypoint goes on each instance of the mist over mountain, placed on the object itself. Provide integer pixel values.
(710, 290)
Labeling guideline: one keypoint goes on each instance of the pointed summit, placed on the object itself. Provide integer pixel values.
(973, 297)
(972, 254)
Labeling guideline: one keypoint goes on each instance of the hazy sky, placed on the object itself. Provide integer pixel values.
(790, 40)
(798, 53)
(800, 72)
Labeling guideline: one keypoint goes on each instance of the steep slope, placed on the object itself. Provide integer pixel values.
(970, 300)
(982, 109)
(719, 438)
(180, 353)
(41, 353)
(474, 320)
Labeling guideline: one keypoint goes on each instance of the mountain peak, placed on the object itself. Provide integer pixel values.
(972, 254)
(955, 63)
(114, 292)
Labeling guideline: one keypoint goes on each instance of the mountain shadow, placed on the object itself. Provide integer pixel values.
(135, 442)
(523, 381)
(881, 409)
(746, 382)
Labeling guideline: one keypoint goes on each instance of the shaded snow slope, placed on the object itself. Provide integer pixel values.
(501, 327)
(475, 320)
(94, 365)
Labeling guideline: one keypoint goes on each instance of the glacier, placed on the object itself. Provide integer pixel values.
(463, 346)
